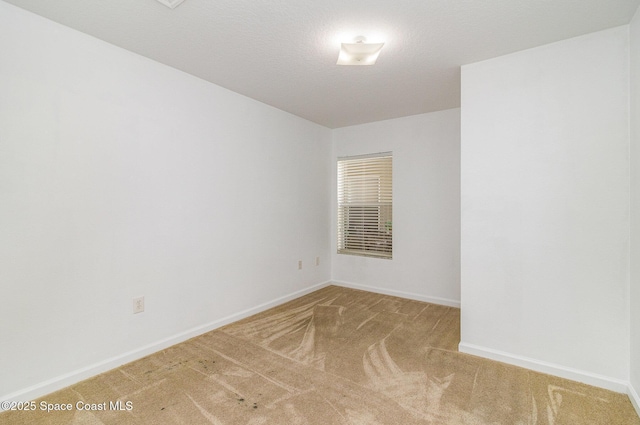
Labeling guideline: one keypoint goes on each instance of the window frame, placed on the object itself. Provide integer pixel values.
(365, 209)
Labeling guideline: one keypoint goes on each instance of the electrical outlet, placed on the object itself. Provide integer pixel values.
(299, 264)
(138, 305)
(317, 261)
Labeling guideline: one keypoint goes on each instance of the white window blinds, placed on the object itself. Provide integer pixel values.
(365, 205)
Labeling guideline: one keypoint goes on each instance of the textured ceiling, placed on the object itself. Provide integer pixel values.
(283, 52)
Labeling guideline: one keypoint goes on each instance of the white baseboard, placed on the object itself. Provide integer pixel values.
(548, 368)
(635, 398)
(401, 294)
(62, 381)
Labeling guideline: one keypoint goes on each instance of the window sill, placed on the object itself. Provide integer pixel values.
(371, 254)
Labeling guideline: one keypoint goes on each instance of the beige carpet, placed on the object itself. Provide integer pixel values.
(336, 356)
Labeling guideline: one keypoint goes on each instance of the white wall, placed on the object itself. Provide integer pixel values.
(635, 208)
(426, 207)
(545, 208)
(122, 177)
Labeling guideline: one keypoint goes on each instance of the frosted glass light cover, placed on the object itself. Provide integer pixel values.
(359, 53)
(172, 4)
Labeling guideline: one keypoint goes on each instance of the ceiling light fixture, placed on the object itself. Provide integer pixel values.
(359, 52)
(171, 4)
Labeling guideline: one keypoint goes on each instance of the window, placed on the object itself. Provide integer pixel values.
(365, 205)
